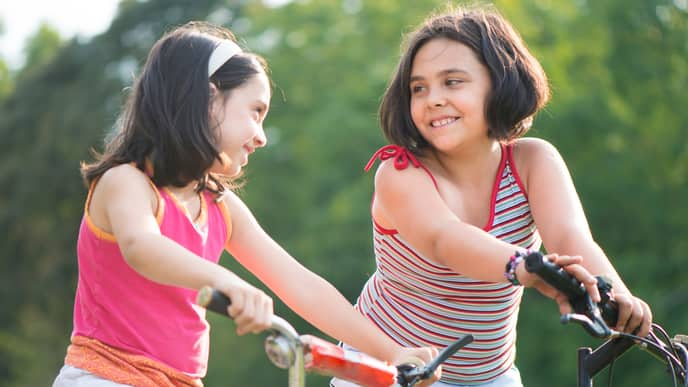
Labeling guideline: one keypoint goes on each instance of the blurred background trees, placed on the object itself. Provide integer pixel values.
(619, 74)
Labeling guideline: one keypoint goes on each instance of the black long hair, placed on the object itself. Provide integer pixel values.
(164, 128)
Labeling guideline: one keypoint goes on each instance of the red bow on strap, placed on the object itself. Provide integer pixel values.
(401, 156)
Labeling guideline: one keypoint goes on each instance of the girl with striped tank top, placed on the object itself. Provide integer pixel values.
(160, 212)
(460, 197)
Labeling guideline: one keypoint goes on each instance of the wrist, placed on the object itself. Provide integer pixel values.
(391, 351)
(514, 270)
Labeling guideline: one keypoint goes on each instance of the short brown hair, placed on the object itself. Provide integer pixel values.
(519, 84)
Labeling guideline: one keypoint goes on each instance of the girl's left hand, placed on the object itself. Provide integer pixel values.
(635, 315)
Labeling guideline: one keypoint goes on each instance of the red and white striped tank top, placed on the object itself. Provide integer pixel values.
(418, 302)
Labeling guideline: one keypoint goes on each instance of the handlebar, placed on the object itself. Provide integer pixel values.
(217, 302)
(286, 349)
(596, 319)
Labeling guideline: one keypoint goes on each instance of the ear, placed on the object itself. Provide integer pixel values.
(213, 98)
(213, 90)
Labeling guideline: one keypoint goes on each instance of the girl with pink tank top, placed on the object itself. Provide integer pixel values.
(160, 212)
(460, 197)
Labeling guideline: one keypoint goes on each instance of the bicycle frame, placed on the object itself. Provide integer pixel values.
(590, 362)
(287, 349)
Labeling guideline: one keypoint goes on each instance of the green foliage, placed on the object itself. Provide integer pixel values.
(618, 71)
(6, 81)
(5, 76)
(41, 47)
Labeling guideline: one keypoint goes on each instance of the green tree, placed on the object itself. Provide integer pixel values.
(41, 47)
(618, 73)
(56, 113)
(5, 76)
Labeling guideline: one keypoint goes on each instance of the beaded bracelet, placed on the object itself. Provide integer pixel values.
(510, 270)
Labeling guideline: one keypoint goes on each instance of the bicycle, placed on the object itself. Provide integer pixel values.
(596, 318)
(306, 353)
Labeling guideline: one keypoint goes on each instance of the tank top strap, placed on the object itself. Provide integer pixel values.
(159, 212)
(509, 149)
(402, 157)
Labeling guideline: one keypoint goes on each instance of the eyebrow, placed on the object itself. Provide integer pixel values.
(441, 73)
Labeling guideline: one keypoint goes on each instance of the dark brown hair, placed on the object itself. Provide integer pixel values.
(165, 121)
(519, 84)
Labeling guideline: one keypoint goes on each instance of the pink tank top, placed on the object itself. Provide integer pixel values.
(119, 307)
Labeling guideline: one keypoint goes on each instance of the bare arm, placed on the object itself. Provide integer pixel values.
(561, 220)
(308, 294)
(124, 203)
(410, 203)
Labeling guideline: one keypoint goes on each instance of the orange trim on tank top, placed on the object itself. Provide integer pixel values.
(226, 215)
(107, 236)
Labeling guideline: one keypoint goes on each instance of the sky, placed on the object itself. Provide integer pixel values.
(21, 18)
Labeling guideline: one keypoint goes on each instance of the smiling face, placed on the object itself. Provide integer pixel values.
(449, 87)
(240, 118)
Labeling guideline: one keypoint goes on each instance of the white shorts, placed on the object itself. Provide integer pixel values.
(75, 377)
(511, 378)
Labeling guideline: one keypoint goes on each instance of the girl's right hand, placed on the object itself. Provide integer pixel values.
(250, 308)
(572, 265)
(420, 356)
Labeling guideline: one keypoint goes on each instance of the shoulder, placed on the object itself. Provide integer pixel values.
(237, 210)
(530, 152)
(398, 187)
(231, 200)
(123, 171)
(387, 173)
(121, 190)
(526, 148)
(535, 156)
(124, 182)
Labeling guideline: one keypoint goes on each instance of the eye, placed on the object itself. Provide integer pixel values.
(453, 81)
(259, 112)
(415, 89)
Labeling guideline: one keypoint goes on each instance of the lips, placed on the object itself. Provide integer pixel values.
(248, 150)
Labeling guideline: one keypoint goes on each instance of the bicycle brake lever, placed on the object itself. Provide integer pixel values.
(409, 374)
(594, 325)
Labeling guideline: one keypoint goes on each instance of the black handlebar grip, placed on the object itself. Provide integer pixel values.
(574, 290)
(214, 300)
(554, 275)
(608, 307)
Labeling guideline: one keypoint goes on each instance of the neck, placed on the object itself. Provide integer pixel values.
(472, 163)
(185, 192)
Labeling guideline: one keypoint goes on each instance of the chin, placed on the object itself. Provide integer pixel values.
(233, 172)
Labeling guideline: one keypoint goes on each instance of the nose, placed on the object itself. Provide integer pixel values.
(260, 139)
(436, 98)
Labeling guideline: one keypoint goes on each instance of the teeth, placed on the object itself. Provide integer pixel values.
(441, 122)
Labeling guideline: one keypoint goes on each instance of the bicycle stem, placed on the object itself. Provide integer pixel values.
(285, 350)
(283, 346)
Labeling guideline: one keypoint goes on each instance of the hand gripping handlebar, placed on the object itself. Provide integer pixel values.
(594, 317)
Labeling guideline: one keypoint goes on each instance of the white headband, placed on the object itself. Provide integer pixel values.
(221, 54)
